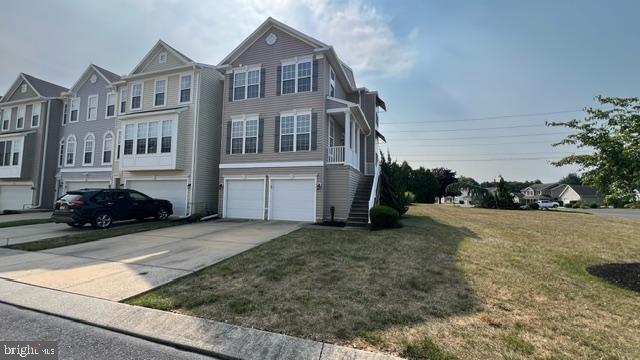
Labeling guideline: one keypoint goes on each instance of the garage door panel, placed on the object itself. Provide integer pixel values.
(173, 190)
(15, 197)
(293, 199)
(77, 185)
(244, 199)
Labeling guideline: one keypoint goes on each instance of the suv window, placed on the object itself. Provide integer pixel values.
(136, 196)
(119, 195)
(102, 196)
(71, 197)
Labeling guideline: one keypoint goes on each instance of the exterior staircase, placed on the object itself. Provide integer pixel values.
(359, 213)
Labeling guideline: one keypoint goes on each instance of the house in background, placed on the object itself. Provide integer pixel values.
(87, 137)
(537, 192)
(30, 121)
(300, 137)
(574, 193)
(168, 130)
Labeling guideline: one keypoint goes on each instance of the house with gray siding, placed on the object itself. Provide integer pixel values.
(300, 137)
(86, 143)
(168, 130)
(31, 112)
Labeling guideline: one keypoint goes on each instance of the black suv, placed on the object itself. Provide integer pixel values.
(101, 207)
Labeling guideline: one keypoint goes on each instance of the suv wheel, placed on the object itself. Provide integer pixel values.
(162, 214)
(102, 221)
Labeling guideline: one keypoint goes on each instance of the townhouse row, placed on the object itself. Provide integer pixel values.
(277, 130)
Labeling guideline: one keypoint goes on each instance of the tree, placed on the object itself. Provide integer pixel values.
(571, 179)
(445, 178)
(503, 197)
(394, 181)
(424, 185)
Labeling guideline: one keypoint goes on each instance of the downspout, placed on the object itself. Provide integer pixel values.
(44, 151)
(194, 147)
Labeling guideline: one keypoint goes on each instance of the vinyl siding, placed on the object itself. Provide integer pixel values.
(341, 183)
(17, 95)
(152, 63)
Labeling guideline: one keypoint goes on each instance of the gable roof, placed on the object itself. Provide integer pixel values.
(583, 190)
(182, 57)
(542, 187)
(107, 75)
(40, 87)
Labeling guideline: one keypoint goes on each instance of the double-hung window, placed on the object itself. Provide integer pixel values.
(129, 134)
(185, 88)
(123, 101)
(160, 93)
(296, 76)
(239, 85)
(141, 142)
(332, 82)
(89, 147)
(92, 107)
(244, 135)
(20, 119)
(167, 133)
(111, 105)
(35, 115)
(17, 147)
(75, 110)
(10, 152)
(246, 83)
(152, 138)
(136, 96)
(65, 113)
(295, 132)
(61, 153)
(71, 151)
(6, 119)
(107, 148)
(148, 138)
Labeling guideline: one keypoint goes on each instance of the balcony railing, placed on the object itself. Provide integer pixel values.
(335, 154)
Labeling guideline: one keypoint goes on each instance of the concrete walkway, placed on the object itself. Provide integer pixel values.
(120, 267)
(25, 216)
(201, 335)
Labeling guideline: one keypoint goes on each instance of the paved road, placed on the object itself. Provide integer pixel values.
(621, 213)
(124, 266)
(80, 341)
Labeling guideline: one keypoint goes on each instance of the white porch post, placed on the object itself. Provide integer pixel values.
(347, 137)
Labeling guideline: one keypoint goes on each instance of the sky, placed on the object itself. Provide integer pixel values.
(464, 82)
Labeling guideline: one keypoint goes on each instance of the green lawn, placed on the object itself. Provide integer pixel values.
(451, 283)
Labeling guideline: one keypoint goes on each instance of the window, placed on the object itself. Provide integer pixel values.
(332, 82)
(244, 136)
(160, 93)
(75, 110)
(296, 76)
(23, 88)
(246, 84)
(137, 196)
(123, 101)
(61, 154)
(6, 119)
(141, 140)
(129, 134)
(239, 85)
(35, 115)
(71, 151)
(167, 131)
(162, 58)
(65, 113)
(185, 88)
(118, 148)
(295, 132)
(136, 96)
(92, 107)
(17, 146)
(152, 138)
(20, 120)
(89, 146)
(5, 153)
(111, 105)
(107, 148)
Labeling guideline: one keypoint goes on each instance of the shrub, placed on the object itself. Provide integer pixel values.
(384, 217)
(633, 205)
(593, 206)
(410, 197)
(534, 206)
(577, 205)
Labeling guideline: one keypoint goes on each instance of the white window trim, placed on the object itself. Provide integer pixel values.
(166, 86)
(295, 114)
(75, 150)
(4, 112)
(141, 83)
(295, 61)
(113, 147)
(162, 57)
(62, 147)
(21, 109)
(65, 113)
(126, 100)
(84, 149)
(33, 107)
(71, 109)
(332, 81)
(246, 70)
(115, 105)
(97, 97)
(244, 119)
(180, 88)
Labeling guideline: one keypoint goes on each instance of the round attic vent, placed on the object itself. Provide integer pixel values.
(271, 39)
(93, 78)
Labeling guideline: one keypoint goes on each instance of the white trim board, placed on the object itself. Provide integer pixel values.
(271, 164)
(88, 169)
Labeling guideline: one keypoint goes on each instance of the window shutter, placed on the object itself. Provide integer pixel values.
(279, 80)
(263, 76)
(314, 80)
(228, 143)
(231, 87)
(314, 131)
(260, 134)
(276, 137)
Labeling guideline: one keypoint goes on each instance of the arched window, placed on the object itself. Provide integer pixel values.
(71, 151)
(61, 154)
(107, 148)
(89, 146)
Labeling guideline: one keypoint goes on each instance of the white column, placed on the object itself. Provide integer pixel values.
(347, 137)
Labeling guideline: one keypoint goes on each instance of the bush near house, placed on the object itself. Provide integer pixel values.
(534, 206)
(410, 197)
(384, 217)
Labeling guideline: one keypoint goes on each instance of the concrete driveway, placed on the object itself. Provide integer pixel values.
(25, 216)
(123, 266)
(27, 233)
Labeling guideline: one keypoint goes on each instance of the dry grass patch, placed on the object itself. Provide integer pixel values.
(453, 282)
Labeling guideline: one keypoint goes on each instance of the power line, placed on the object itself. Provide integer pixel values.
(490, 159)
(520, 153)
(474, 129)
(488, 117)
(486, 144)
(481, 137)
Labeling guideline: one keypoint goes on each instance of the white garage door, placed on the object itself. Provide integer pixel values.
(77, 185)
(293, 200)
(244, 199)
(172, 190)
(15, 197)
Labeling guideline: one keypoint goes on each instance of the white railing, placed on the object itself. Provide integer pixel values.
(335, 154)
(373, 198)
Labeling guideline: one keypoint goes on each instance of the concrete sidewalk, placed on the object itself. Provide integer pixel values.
(186, 332)
(25, 216)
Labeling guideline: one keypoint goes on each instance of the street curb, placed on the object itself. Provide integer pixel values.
(181, 331)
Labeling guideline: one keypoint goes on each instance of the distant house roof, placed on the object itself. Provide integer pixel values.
(556, 190)
(542, 187)
(44, 88)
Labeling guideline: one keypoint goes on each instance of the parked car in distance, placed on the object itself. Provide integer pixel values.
(546, 204)
(101, 207)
